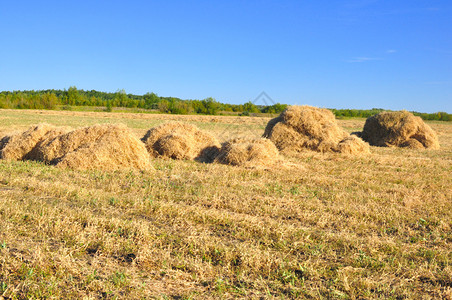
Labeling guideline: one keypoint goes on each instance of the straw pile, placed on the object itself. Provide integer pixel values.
(248, 152)
(104, 147)
(178, 140)
(20, 146)
(301, 128)
(400, 129)
(352, 145)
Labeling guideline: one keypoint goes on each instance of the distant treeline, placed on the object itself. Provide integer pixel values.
(360, 113)
(52, 99)
(65, 99)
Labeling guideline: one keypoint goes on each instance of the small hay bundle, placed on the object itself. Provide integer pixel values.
(304, 127)
(352, 145)
(248, 152)
(399, 128)
(21, 145)
(181, 141)
(104, 147)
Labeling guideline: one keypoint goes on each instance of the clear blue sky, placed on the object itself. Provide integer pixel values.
(336, 54)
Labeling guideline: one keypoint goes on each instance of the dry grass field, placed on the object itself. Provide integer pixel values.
(317, 226)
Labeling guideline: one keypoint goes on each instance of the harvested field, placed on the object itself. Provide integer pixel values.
(400, 129)
(301, 128)
(340, 226)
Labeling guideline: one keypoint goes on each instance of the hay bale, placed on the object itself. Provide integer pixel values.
(248, 152)
(301, 128)
(178, 140)
(104, 147)
(400, 129)
(352, 145)
(20, 146)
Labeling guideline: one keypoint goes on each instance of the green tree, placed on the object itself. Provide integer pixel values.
(151, 100)
(163, 106)
(275, 108)
(121, 99)
(250, 107)
(211, 106)
(71, 96)
(49, 101)
(108, 107)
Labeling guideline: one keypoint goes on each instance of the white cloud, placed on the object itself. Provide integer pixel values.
(390, 51)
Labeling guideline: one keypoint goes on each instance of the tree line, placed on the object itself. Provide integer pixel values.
(358, 113)
(66, 99)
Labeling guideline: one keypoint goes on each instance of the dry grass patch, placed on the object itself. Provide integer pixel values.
(301, 128)
(400, 129)
(179, 140)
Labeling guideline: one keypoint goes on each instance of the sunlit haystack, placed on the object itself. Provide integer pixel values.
(352, 145)
(401, 129)
(104, 147)
(21, 145)
(181, 141)
(248, 152)
(299, 128)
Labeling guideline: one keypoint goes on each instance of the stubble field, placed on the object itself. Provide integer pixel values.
(317, 226)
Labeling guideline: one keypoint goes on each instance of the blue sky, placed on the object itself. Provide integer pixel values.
(335, 54)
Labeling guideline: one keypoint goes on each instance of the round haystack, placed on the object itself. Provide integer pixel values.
(400, 129)
(352, 145)
(103, 147)
(299, 128)
(248, 152)
(20, 146)
(181, 141)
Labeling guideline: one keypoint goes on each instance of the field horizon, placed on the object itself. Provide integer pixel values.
(315, 226)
